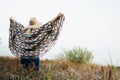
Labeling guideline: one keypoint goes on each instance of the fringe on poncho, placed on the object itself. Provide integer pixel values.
(38, 42)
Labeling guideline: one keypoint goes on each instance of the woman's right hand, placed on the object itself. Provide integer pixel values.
(59, 14)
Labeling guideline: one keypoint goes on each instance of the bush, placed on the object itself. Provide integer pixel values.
(0, 40)
(77, 55)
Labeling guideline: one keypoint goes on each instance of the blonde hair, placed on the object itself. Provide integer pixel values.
(33, 21)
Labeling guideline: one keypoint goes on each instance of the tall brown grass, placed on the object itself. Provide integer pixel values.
(56, 70)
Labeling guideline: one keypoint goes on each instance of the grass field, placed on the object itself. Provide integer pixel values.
(56, 70)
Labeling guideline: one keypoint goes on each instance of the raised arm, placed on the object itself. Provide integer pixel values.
(12, 20)
(15, 27)
(59, 15)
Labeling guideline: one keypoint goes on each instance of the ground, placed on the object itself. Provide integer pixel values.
(10, 69)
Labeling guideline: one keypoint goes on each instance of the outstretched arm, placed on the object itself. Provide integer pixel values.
(15, 25)
(59, 15)
(12, 20)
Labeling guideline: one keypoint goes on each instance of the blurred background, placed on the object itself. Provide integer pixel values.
(91, 24)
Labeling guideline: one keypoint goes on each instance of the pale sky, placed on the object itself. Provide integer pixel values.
(91, 24)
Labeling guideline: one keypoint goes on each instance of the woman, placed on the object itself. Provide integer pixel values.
(31, 60)
(30, 42)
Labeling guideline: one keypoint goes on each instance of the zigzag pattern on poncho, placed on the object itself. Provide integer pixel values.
(38, 42)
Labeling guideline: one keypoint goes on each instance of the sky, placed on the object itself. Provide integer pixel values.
(91, 24)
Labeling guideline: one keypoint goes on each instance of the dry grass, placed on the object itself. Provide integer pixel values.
(56, 70)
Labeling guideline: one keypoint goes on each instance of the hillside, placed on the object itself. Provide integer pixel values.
(56, 70)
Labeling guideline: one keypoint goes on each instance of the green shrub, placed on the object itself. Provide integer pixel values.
(77, 55)
(0, 40)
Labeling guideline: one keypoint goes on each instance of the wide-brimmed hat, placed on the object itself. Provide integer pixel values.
(33, 21)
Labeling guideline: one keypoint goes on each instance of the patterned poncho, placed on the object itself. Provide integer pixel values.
(38, 42)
